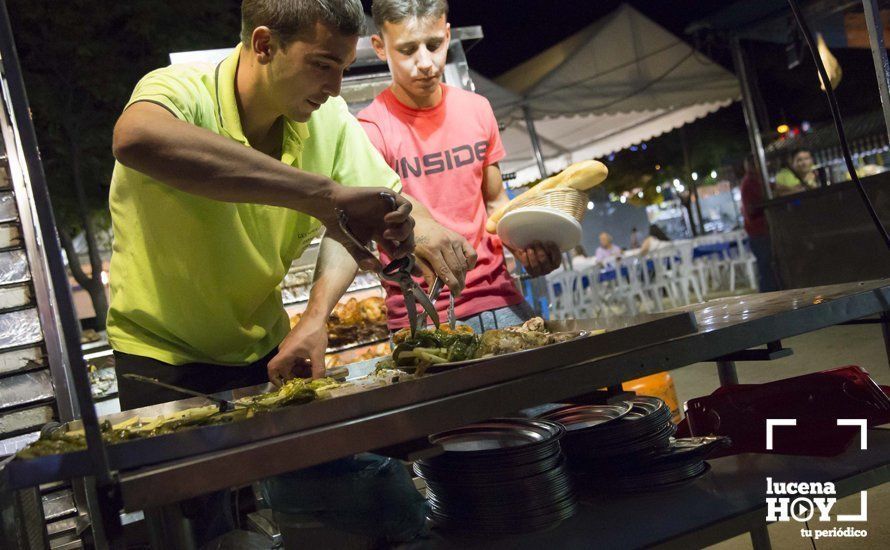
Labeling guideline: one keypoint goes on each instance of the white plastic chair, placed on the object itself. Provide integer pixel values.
(744, 259)
(564, 305)
(685, 276)
(593, 302)
(630, 282)
(661, 283)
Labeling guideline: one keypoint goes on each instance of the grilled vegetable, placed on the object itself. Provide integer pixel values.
(293, 392)
(433, 347)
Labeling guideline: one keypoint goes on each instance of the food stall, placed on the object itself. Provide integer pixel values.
(148, 459)
(824, 235)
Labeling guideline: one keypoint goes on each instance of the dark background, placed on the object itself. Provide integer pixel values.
(82, 58)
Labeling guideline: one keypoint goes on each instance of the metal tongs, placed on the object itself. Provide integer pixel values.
(435, 291)
(399, 272)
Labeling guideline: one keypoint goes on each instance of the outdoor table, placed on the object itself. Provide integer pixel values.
(720, 249)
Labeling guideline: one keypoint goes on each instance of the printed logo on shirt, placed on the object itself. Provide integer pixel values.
(435, 163)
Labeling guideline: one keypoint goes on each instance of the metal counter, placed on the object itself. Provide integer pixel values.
(825, 236)
(411, 410)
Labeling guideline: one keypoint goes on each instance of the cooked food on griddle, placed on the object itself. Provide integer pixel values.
(373, 310)
(355, 321)
(441, 345)
(432, 347)
(293, 392)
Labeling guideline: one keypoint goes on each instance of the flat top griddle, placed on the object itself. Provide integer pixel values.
(209, 458)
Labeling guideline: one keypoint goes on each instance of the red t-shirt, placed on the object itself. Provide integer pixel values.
(440, 154)
(752, 211)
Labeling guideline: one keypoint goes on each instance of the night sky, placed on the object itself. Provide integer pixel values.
(516, 30)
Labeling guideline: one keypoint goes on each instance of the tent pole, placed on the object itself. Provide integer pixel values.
(701, 220)
(536, 143)
(879, 55)
(750, 110)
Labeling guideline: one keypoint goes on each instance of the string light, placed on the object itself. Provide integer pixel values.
(695, 176)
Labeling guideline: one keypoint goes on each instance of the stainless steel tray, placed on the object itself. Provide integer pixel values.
(360, 403)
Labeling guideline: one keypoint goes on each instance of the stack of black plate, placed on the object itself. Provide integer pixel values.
(501, 476)
(627, 446)
(682, 461)
(601, 433)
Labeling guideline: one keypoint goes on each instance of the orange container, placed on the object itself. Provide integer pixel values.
(659, 385)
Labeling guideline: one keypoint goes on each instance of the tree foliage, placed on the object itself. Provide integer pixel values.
(80, 60)
(711, 143)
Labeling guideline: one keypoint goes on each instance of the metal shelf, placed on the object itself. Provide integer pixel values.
(347, 347)
(350, 290)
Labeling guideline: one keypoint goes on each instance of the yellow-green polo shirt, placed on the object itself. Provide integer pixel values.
(198, 280)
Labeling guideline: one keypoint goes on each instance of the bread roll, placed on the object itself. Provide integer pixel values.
(582, 176)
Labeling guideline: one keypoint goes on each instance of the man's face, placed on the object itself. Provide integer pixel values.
(605, 240)
(305, 73)
(415, 50)
(802, 162)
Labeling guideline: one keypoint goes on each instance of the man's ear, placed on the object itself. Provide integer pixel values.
(379, 47)
(263, 45)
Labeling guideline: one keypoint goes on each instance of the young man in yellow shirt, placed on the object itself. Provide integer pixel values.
(225, 174)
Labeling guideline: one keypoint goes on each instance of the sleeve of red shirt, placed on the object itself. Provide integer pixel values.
(496, 150)
(375, 135)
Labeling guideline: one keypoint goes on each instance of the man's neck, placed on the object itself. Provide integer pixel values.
(257, 119)
(417, 102)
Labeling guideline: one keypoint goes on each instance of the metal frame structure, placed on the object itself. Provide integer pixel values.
(879, 55)
(49, 276)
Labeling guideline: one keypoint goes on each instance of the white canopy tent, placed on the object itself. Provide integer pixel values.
(620, 81)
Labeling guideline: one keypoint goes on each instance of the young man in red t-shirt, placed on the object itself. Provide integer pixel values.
(445, 145)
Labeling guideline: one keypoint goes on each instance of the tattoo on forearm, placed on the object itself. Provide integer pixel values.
(421, 239)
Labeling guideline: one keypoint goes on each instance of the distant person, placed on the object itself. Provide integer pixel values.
(756, 226)
(799, 175)
(578, 252)
(579, 256)
(607, 250)
(634, 238)
(656, 239)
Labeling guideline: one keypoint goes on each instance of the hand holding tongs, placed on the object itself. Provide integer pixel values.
(399, 272)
